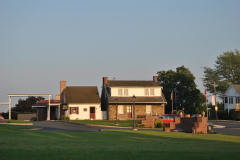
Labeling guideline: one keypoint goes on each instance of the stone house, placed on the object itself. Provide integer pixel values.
(117, 97)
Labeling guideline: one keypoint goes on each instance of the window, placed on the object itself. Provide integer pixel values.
(74, 110)
(125, 92)
(120, 109)
(146, 92)
(120, 92)
(151, 92)
(237, 99)
(148, 109)
(226, 99)
(230, 100)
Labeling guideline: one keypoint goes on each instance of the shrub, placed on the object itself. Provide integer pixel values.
(238, 119)
(158, 124)
(233, 114)
(64, 118)
(221, 114)
(142, 125)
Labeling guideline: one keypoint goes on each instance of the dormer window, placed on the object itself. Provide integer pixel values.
(146, 92)
(120, 92)
(151, 92)
(125, 92)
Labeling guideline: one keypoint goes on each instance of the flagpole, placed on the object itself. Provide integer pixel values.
(172, 100)
(206, 100)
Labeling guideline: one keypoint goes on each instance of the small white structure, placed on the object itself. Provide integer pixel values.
(83, 102)
(232, 97)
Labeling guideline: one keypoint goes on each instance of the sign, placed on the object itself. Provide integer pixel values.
(65, 106)
(213, 100)
(236, 107)
(85, 109)
(216, 109)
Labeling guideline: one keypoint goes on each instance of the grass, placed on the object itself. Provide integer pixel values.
(17, 121)
(114, 144)
(122, 123)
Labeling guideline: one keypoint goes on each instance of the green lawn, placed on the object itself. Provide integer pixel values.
(123, 123)
(17, 121)
(16, 143)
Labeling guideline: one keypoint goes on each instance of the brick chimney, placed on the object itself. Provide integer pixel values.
(105, 80)
(155, 79)
(62, 87)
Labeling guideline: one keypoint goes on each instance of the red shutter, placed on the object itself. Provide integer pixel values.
(77, 110)
(70, 110)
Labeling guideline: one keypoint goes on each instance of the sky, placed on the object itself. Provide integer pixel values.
(44, 42)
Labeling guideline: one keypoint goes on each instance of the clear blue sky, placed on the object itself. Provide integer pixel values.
(43, 42)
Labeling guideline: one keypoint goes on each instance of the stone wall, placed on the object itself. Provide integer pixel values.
(140, 110)
(189, 125)
(26, 116)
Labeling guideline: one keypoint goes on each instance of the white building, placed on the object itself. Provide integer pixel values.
(232, 97)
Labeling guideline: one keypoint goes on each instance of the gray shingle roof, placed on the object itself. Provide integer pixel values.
(82, 94)
(157, 99)
(131, 83)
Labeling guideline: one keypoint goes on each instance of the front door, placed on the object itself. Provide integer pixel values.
(129, 111)
(92, 112)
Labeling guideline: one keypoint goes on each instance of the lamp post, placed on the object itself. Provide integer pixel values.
(116, 100)
(134, 99)
(183, 110)
(175, 99)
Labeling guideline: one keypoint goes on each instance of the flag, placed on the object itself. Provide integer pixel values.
(205, 94)
(172, 95)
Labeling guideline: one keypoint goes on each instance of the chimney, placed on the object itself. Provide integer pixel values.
(62, 87)
(155, 79)
(105, 80)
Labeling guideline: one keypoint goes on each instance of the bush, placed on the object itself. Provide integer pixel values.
(158, 124)
(233, 114)
(142, 125)
(238, 119)
(221, 114)
(64, 118)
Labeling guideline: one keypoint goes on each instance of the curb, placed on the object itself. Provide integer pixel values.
(218, 126)
(160, 129)
(24, 124)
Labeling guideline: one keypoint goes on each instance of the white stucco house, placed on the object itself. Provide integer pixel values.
(232, 97)
(83, 101)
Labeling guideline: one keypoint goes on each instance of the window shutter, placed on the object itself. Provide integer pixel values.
(77, 110)
(70, 110)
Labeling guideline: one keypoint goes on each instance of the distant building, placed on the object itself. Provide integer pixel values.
(149, 98)
(232, 97)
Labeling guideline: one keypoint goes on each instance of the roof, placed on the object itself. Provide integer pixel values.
(131, 83)
(81, 94)
(45, 102)
(236, 87)
(138, 99)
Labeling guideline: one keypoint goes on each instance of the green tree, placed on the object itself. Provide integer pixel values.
(187, 94)
(226, 71)
(25, 106)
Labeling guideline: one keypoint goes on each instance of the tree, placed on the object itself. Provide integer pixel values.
(226, 71)
(25, 106)
(188, 96)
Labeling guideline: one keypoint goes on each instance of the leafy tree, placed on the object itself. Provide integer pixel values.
(225, 72)
(25, 106)
(188, 96)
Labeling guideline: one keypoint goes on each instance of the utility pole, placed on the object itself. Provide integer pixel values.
(175, 99)
(216, 108)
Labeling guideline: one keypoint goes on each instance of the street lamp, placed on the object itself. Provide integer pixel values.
(116, 100)
(134, 99)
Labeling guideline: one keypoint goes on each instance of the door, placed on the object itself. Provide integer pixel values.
(129, 111)
(92, 112)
